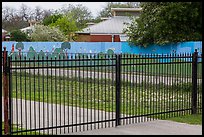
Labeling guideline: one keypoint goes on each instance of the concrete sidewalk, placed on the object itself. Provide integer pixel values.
(25, 117)
(158, 127)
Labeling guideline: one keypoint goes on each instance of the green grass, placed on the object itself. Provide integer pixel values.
(172, 69)
(176, 69)
(195, 119)
(136, 99)
(14, 128)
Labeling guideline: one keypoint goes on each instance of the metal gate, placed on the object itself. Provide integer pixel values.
(59, 94)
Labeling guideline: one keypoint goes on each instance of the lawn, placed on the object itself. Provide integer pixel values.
(100, 94)
(137, 65)
(22, 133)
(195, 119)
(136, 99)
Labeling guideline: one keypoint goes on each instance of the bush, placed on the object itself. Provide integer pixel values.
(17, 35)
(46, 33)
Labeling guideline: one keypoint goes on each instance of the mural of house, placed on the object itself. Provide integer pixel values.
(110, 29)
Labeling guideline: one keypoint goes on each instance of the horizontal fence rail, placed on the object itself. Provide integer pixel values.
(67, 93)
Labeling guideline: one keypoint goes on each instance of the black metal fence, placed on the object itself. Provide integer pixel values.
(79, 92)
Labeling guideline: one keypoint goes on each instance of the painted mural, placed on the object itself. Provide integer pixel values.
(65, 50)
(19, 52)
(55, 48)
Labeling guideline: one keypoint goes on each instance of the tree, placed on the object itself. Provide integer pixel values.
(166, 22)
(17, 35)
(67, 25)
(19, 46)
(47, 13)
(65, 45)
(32, 53)
(25, 12)
(11, 20)
(46, 33)
(79, 13)
(51, 19)
(19, 18)
(134, 4)
(38, 14)
(8, 13)
(41, 55)
(110, 51)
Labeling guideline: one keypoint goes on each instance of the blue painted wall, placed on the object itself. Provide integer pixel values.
(117, 47)
(185, 47)
(76, 47)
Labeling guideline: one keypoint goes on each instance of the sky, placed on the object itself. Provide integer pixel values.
(95, 7)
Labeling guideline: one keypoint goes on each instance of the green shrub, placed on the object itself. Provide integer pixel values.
(17, 35)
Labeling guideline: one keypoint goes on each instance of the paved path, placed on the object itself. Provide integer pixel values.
(35, 117)
(124, 77)
(158, 127)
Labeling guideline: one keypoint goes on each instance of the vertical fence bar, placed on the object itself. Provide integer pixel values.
(43, 73)
(194, 82)
(75, 89)
(87, 89)
(109, 90)
(125, 97)
(68, 93)
(98, 86)
(83, 56)
(51, 92)
(167, 84)
(118, 88)
(130, 93)
(91, 93)
(112, 83)
(64, 89)
(79, 75)
(55, 92)
(200, 83)
(72, 89)
(34, 95)
(16, 83)
(139, 89)
(94, 65)
(21, 92)
(48, 93)
(30, 90)
(161, 89)
(38, 59)
(135, 88)
(5, 86)
(10, 94)
(101, 83)
(148, 87)
(25, 78)
(60, 91)
(105, 87)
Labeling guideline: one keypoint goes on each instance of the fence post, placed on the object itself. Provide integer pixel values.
(194, 81)
(9, 92)
(118, 88)
(5, 87)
